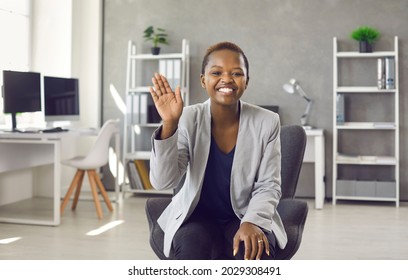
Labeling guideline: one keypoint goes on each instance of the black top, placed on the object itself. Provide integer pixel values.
(215, 199)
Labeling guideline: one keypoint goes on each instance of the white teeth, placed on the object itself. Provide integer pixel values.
(226, 90)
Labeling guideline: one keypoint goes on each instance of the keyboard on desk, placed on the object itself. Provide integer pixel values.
(54, 130)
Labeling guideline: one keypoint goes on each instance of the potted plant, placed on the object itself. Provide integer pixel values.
(158, 36)
(366, 36)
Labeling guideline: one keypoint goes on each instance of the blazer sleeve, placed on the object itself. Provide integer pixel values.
(168, 160)
(266, 191)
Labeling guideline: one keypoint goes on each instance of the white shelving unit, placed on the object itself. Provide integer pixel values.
(137, 126)
(368, 190)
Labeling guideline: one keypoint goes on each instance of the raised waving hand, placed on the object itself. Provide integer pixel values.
(169, 104)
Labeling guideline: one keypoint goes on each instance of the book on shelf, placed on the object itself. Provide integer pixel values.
(137, 108)
(368, 158)
(340, 118)
(133, 175)
(387, 160)
(386, 73)
(355, 158)
(143, 173)
(152, 113)
(389, 73)
(365, 159)
(171, 69)
(381, 73)
(348, 158)
(384, 125)
(138, 174)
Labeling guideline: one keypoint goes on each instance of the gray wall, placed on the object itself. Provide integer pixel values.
(283, 39)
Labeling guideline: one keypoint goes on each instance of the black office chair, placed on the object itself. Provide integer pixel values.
(292, 211)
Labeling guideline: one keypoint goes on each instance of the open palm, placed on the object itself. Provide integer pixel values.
(169, 104)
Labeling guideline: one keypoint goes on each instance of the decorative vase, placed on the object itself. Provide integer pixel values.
(155, 50)
(365, 47)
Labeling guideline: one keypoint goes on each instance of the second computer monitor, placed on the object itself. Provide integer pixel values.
(61, 99)
(21, 93)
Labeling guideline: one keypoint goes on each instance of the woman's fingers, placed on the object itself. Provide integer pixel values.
(255, 245)
(161, 85)
(260, 248)
(266, 245)
(166, 85)
(153, 94)
(248, 243)
(263, 244)
(177, 93)
(255, 241)
(157, 90)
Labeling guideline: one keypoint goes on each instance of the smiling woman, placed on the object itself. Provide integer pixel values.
(229, 153)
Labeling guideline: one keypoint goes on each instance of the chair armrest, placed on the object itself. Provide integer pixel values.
(293, 213)
(154, 208)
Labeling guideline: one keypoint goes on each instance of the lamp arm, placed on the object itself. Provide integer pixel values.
(305, 116)
(303, 93)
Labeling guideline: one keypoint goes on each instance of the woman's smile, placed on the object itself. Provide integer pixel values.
(226, 90)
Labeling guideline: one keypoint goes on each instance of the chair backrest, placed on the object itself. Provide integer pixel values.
(293, 143)
(292, 211)
(99, 153)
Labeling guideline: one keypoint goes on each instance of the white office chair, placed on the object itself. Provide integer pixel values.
(97, 157)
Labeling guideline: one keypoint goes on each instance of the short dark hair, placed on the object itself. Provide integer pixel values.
(224, 46)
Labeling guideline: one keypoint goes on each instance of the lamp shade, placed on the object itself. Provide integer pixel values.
(290, 87)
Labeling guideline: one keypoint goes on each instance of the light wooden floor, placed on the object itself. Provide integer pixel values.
(345, 231)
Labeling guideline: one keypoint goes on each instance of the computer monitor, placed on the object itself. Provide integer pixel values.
(21, 93)
(273, 108)
(61, 99)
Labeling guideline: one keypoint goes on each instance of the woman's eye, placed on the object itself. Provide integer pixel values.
(237, 74)
(216, 73)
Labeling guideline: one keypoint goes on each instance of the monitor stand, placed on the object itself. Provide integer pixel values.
(14, 122)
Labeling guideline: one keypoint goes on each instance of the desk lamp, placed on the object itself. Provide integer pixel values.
(292, 87)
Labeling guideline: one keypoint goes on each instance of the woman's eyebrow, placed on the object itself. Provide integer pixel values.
(235, 68)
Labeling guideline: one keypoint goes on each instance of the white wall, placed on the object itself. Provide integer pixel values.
(66, 41)
(86, 57)
(52, 37)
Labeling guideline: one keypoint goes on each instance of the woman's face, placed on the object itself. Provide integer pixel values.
(225, 78)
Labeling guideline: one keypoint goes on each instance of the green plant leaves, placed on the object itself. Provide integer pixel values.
(365, 33)
(158, 36)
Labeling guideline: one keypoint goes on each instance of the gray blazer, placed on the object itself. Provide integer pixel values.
(255, 178)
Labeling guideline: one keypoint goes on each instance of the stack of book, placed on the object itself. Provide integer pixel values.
(386, 73)
(171, 69)
(138, 174)
(340, 117)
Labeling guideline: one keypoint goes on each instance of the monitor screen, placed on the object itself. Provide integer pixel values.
(273, 108)
(21, 92)
(61, 98)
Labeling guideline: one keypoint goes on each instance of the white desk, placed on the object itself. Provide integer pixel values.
(315, 153)
(27, 150)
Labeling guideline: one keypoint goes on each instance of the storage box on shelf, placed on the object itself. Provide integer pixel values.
(366, 153)
(141, 117)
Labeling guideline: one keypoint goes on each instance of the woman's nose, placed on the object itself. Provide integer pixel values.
(226, 78)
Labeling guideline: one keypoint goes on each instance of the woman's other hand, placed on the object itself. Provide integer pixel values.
(255, 241)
